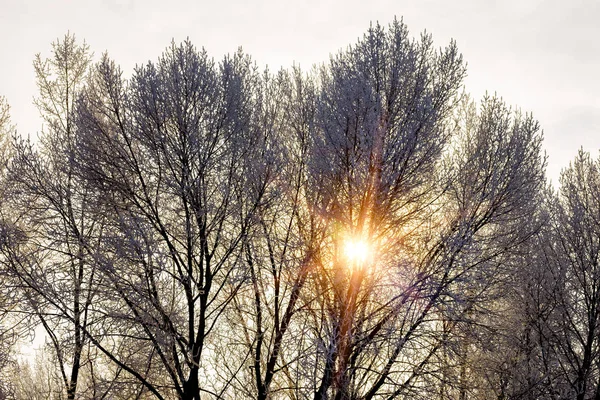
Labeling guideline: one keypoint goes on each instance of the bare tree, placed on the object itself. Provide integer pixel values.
(568, 323)
(10, 325)
(50, 230)
(437, 268)
(552, 350)
(495, 199)
(205, 230)
(268, 318)
(380, 134)
(178, 162)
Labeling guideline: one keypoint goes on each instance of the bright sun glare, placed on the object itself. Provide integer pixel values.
(356, 250)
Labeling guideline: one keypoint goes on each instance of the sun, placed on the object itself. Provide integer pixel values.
(356, 250)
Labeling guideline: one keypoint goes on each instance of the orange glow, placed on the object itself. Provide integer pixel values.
(356, 250)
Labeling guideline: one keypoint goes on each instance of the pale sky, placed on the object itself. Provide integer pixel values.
(540, 55)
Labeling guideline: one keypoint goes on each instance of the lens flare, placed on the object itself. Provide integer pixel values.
(356, 250)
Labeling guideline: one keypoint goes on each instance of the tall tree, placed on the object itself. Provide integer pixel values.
(570, 330)
(555, 352)
(205, 230)
(444, 235)
(380, 133)
(52, 231)
(279, 252)
(9, 324)
(178, 161)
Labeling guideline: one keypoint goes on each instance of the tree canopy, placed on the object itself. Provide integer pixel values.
(363, 230)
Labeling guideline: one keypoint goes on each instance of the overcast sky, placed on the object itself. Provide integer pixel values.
(540, 55)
